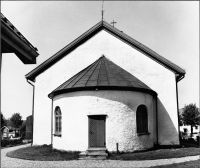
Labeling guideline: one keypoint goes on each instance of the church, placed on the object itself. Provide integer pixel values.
(103, 90)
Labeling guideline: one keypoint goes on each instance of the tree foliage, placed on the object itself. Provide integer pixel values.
(3, 120)
(180, 120)
(191, 116)
(16, 120)
(23, 130)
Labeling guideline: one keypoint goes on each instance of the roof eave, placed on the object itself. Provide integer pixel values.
(25, 52)
(97, 88)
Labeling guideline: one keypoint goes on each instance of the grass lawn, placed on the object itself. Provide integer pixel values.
(191, 164)
(43, 153)
(156, 154)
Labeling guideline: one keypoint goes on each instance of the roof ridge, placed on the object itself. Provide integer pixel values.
(99, 61)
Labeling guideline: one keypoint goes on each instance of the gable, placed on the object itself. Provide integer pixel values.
(102, 25)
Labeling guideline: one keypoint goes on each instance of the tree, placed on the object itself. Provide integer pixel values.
(23, 130)
(191, 116)
(180, 120)
(3, 120)
(16, 120)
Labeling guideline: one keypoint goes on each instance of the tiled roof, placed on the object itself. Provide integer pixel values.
(117, 33)
(14, 29)
(103, 74)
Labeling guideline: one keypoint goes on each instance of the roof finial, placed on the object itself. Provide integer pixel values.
(102, 11)
(113, 22)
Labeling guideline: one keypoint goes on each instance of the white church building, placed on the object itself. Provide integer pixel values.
(103, 89)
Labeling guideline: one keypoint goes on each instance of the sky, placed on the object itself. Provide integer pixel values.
(170, 28)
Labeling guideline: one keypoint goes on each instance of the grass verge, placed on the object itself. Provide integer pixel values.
(156, 154)
(191, 164)
(43, 153)
(46, 153)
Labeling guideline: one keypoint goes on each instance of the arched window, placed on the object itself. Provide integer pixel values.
(142, 119)
(58, 120)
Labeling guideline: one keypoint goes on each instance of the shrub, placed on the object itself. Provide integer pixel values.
(23, 135)
(4, 142)
(7, 142)
(197, 138)
(190, 139)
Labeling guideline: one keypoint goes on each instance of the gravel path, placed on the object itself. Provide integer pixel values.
(7, 162)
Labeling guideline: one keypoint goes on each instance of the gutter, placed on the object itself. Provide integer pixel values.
(13, 40)
(180, 77)
(32, 108)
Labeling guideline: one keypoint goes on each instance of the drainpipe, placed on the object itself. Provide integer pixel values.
(178, 111)
(52, 123)
(0, 79)
(32, 108)
(156, 121)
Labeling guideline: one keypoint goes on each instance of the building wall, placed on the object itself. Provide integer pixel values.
(120, 108)
(141, 66)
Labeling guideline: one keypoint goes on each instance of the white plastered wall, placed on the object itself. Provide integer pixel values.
(120, 108)
(159, 78)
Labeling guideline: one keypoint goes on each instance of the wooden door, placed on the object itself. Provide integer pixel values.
(96, 131)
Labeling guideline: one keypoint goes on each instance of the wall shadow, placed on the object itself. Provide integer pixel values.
(167, 132)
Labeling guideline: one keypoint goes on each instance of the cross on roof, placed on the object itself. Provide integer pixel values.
(113, 22)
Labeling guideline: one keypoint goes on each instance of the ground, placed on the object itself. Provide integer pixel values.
(7, 162)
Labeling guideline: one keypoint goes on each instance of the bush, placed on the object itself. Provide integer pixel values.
(7, 142)
(190, 139)
(197, 138)
(4, 142)
(23, 136)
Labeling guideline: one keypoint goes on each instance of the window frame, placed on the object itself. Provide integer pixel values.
(57, 121)
(142, 120)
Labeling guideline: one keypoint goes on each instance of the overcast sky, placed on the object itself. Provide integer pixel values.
(170, 28)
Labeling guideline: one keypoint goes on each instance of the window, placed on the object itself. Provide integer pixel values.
(58, 121)
(142, 120)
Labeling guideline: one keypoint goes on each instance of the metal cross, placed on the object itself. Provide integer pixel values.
(113, 23)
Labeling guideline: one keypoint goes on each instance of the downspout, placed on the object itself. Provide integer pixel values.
(52, 123)
(156, 121)
(32, 108)
(178, 111)
(0, 79)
